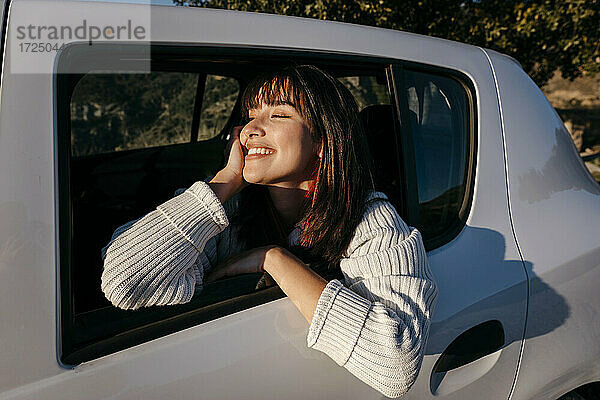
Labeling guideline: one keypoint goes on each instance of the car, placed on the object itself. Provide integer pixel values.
(97, 130)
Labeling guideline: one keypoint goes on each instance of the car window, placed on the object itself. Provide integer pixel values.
(379, 123)
(367, 89)
(219, 98)
(116, 112)
(440, 113)
(126, 143)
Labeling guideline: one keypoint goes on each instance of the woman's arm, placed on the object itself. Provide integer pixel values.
(159, 259)
(301, 284)
(377, 324)
(152, 261)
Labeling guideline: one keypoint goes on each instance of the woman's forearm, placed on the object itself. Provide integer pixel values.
(151, 261)
(224, 185)
(302, 285)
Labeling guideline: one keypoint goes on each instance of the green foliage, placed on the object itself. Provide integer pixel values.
(219, 98)
(111, 112)
(544, 35)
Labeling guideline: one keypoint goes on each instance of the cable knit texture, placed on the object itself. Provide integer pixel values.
(375, 324)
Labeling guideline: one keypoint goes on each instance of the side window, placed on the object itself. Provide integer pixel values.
(116, 112)
(377, 116)
(126, 141)
(219, 98)
(440, 112)
(367, 89)
(123, 164)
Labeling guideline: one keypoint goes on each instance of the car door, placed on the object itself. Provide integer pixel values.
(246, 344)
(456, 171)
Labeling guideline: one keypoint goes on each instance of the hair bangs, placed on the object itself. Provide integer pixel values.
(273, 90)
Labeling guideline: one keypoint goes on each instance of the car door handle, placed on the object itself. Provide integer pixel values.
(478, 341)
(468, 357)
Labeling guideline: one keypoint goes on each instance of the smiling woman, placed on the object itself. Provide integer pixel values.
(320, 175)
(288, 153)
(296, 187)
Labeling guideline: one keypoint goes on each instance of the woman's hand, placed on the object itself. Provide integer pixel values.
(235, 162)
(247, 262)
(230, 179)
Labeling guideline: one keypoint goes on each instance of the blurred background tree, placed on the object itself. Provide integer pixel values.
(544, 35)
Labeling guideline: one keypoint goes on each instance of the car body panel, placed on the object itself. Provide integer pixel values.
(260, 352)
(555, 205)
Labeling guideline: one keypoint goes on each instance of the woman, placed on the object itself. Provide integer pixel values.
(302, 156)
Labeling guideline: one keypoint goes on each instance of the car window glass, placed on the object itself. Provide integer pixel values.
(219, 97)
(377, 116)
(367, 90)
(120, 111)
(439, 111)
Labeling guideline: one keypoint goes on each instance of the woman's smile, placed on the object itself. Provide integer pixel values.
(256, 153)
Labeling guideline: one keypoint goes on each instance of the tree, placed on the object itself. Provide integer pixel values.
(544, 35)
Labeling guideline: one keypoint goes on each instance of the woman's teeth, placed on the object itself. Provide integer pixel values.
(260, 150)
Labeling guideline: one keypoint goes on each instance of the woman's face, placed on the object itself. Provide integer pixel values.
(278, 147)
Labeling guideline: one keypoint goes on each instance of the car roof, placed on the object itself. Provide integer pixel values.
(242, 28)
(259, 18)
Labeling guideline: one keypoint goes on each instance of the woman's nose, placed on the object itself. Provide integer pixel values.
(252, 129)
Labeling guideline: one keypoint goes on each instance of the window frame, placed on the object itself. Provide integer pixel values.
(198, 100)
(72, 347)
(397, 77)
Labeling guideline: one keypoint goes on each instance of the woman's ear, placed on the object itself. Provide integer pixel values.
(320, 153)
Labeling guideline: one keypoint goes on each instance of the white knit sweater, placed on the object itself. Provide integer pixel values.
(375, 324)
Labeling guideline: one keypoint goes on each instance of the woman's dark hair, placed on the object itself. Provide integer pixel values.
(334, 205)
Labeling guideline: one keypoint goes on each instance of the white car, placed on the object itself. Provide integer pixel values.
(465, 145)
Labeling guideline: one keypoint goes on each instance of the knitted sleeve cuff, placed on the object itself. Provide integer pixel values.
(337, 322)
(188, 212)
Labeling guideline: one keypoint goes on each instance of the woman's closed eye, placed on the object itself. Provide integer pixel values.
(280, 116)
